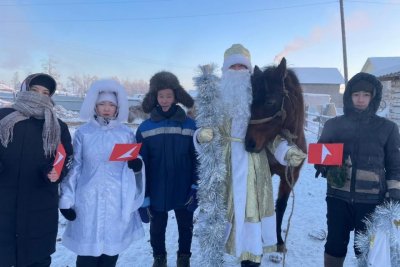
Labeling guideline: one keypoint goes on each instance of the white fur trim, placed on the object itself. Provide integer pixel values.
(88, 106)
(236, 59)
(280, 152)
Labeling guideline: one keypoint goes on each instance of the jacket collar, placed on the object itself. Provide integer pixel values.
(175, 113)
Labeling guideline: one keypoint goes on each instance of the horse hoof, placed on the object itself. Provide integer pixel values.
(281, 248)
(275, 257)
(318, 234)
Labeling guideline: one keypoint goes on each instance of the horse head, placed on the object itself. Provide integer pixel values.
(267, 109)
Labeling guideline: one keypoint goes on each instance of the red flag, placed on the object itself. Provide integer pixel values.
(60, 158)
(125, 152)
(325, 154)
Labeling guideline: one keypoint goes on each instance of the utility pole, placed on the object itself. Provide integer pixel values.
(343, 43)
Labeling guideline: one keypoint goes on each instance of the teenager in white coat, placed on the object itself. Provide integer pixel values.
(101, 197)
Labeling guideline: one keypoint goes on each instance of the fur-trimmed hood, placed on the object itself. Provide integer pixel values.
(165, 80)
(351, 86)
(107, 85)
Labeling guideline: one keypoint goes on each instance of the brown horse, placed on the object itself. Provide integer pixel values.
(277, 108)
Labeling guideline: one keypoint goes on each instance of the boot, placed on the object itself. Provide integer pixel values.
(160, 261)
(249, 264)
(183, 260)
(330, 261)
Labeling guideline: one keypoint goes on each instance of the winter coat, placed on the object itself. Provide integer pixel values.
(105, 194)
(372, 144)
(28, 200)
(169, 155)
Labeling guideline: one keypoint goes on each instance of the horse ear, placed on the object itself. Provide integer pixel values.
(282, 68)
(257, 70)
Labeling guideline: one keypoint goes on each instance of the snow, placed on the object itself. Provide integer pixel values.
(308, 220)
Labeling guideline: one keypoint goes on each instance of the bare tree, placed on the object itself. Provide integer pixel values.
(79, 84)
(15, 82)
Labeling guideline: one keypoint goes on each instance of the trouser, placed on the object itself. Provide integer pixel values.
(42, 263)
(100, 261)
(342, 218)
(158, 225)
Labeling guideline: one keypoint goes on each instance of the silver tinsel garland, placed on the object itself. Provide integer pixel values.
(212, 171)
(386, 218)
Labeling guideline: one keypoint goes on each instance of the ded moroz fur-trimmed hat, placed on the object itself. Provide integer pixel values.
(165, 80)
(236, 54)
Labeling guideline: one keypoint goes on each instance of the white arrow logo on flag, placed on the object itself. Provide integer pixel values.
(325, 153)
(59, 158)
(127, 154)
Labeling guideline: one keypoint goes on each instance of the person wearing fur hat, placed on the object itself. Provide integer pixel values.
(249, 204)
(100, 197)
(370, 171)
(30, 134)
(170, 160)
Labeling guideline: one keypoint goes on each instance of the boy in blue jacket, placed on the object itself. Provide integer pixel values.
(170, 161)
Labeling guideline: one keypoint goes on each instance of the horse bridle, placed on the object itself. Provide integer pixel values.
(280, 113)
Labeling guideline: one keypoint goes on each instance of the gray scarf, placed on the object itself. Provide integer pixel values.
(32, 104)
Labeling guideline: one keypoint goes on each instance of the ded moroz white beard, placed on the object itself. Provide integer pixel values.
(236, 98)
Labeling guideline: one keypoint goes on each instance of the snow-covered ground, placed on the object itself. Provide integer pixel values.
(303, 250)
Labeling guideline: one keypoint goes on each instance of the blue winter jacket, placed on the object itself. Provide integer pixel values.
(169, 156)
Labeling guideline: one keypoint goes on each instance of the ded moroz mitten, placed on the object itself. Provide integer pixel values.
(205, 135)
(285, 154)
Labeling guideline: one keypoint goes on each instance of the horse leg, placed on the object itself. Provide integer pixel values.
(281, 204)
(280, 207)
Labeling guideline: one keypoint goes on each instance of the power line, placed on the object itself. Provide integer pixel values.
(173, 17)
(84, 3)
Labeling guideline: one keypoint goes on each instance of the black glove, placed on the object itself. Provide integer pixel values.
(321, 169)
(68, 214)
(135, 165)
(145, 214)
(192, 203)
(144, 210)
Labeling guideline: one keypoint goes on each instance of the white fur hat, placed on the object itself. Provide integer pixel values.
(107, 88)
(237, 54)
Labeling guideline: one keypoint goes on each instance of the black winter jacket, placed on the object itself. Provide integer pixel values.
(373, 144)
(28, 200)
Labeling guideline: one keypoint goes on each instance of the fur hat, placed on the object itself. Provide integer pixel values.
(236, 54)
(165, 80)
(106, 87)
(42, 79)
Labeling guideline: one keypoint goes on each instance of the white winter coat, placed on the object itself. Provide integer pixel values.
(105, 194)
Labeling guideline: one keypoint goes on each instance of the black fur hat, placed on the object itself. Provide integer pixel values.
(165, 80)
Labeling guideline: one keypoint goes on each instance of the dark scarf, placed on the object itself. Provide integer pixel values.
(32, 104)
